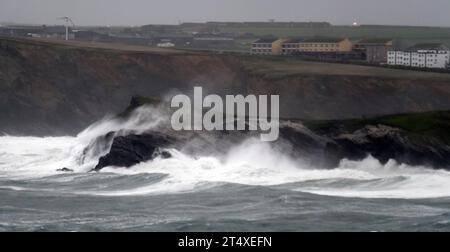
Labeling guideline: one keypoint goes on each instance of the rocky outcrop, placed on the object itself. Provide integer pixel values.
(64, 170)
(133, 149)
(385, 143)
(321, 144)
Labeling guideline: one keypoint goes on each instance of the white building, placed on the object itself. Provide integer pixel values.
(422, 56)
(166, 45)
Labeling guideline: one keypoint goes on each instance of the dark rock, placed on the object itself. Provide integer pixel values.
(385, 143)
(326, 151)
(65, 170)
(161, 154)
(321, 144)
(98, 146)
(306, 145)
(127, 151)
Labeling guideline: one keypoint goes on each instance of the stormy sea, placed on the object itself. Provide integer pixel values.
(251, 186)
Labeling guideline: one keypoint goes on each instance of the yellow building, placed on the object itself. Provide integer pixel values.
(268, 46)
(326, 45)
(291, 46)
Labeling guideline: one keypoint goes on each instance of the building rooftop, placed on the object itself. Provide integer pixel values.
(173, 36)
(382, 41)
(323, 40)
(427, 46)
(266, 40)
(294, 40)
(214, 38)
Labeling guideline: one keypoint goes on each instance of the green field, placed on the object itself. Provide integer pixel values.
(406, 35)
(275, 67)
(348, 31)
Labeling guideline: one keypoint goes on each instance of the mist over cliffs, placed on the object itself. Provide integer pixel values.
(55, 89)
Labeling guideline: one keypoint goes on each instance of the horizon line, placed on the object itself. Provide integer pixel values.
(215, 21)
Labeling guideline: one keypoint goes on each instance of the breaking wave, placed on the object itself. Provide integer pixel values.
(251, 162)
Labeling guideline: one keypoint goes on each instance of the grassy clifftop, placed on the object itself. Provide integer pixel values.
(282, 67)
(264, 66)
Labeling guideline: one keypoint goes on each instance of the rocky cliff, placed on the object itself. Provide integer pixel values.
(56, 89)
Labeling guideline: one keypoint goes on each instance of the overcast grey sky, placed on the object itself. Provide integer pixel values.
(138, 12)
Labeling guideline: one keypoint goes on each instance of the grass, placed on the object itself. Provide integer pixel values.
(416, 125)
(404, 36)
(275, 67)
(94, 46)
(348, 31)
(419, 122)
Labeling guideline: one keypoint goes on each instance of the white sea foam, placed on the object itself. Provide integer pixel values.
(391, 180)
(249, 163)
(256, 163)
(41, 156)
(34, 156)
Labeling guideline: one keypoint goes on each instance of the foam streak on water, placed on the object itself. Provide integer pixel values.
(249, 163)
(252, 186)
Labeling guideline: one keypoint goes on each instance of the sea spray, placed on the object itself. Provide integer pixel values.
(250, 162)
(236, 113)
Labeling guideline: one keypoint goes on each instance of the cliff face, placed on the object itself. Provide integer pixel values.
(54, 89)
(327, 97)
(51, 89)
